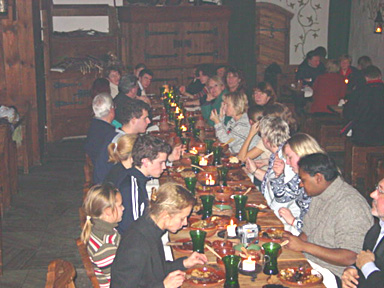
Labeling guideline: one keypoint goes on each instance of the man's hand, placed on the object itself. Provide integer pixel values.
(295, 243)
(364, 257)
(194, 259)
(350, 277)
(174, 279)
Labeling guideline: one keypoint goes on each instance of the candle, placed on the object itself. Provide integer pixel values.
(183, 128)
(203, 162)
(249, 264)
(231, 229)
(193, 150)
(173, 104)
(346, 81)
(177, 110)
(209, 181)
(181, 116)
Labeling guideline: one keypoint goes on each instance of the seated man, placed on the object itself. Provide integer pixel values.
(365, 109)
(149, 157)
(133, 115)
(369, 268)
(310, 68)
(337, 219)
(128, 87)
(145, 79)
(101, 128)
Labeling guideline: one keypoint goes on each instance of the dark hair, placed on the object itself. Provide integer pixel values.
(100, 85)
(145, 71)
(206, 69)
(140, 65)
(254, 110)
(109, 69)
(321, 51)
(127, 83)
(267, 88)
(312, 54)
(372, 72)
(319, 163)
(221, 66)
(364, 62)
(130, 108)
(240, 74)
(148, 146)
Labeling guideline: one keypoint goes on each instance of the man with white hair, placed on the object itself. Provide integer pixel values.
(100, 128)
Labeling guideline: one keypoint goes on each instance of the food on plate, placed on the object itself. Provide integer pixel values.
(300, 276)
(186, 174)
(234, 160)
(272, 233)
(204, 276)
(202, 224)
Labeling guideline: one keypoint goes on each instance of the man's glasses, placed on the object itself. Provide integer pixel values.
(379, 189)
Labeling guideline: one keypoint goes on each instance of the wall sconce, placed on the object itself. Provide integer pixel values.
(3, 7)
(378, 23)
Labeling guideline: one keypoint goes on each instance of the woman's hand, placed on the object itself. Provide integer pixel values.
(254, 129)
(176, 153)
(278, 166)
(174, 279)
(210, 97)
(350, 277)
(287, 215)
(250, 165)
(194, 259)
(214, 117)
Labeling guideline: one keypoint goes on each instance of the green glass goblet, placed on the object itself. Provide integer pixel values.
(217, 153)
(240, 201)
(271, 252)
(195, 162)
(209, 144)
(190, 182)
(185, 141)
(207, 201)
(223, 171)
(231, 263)
(251, 214)
(198, 240)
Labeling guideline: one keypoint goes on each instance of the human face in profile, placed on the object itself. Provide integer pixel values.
(292, 158)
(157, 166)
(141, 123)
(378, 200)
(177, 221)
(118, 210)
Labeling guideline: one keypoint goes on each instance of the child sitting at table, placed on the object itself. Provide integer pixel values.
(235, 105)
(104, 209)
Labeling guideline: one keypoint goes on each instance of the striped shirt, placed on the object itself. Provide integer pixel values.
(102, 246)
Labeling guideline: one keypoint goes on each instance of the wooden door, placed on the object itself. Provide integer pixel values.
(272, 37)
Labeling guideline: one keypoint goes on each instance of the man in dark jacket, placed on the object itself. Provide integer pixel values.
(310, 68)
(365, 109)
(369, 269)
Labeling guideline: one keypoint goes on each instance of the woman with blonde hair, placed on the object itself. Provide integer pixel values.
(235, 105)
(104, 209)
(120, 154)
(140, 257)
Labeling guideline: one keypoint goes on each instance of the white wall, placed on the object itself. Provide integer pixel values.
(362, 40)
(309, 26)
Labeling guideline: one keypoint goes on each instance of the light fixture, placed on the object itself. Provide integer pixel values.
(3, 7)
(378, 23)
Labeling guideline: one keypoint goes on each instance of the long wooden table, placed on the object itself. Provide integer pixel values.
(267, 219)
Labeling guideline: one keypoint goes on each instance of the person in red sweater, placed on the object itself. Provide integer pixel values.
(328, 88)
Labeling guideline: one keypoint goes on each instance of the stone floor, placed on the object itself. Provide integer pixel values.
(43, 222)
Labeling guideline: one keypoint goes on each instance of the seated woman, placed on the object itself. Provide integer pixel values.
(113, 75)
(120, 154)
(328, 88)
(235, 105)
(352, 76)
(274, 133)
(235, 80)
(260, 151)
(264, 94)
(140, 260)
(296, 147)
(214, 98)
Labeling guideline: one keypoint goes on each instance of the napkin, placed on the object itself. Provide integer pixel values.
(153, 128)
(308, 91)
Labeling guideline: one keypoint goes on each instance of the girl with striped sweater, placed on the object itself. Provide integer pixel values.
(104, 209)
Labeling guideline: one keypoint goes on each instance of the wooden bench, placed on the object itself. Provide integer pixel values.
(326, 131)
(375, 170)
(356, 164)
(87, 263)
(61, 274)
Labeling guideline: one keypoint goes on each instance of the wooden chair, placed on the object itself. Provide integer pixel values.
(88, 175)
(355, 162)
(375, 170)
(61, 274)
(87, 263)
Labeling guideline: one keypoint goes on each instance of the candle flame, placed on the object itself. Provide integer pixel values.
(183, 128)
(346, 81)
(231, 223)
(181, 116)
(249, 258)
(177, 110)
(203, 162)
(193, 150)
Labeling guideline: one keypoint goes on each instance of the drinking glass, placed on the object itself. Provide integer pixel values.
(231, 263)
(195, 161)
(185, 142)
(240, 201)
(223, 171)
(209, 144)
(198, 240)
(271, 252)
(251, 214)
(196, 132)
(217, 153)
(190, 182)
(207, 201)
